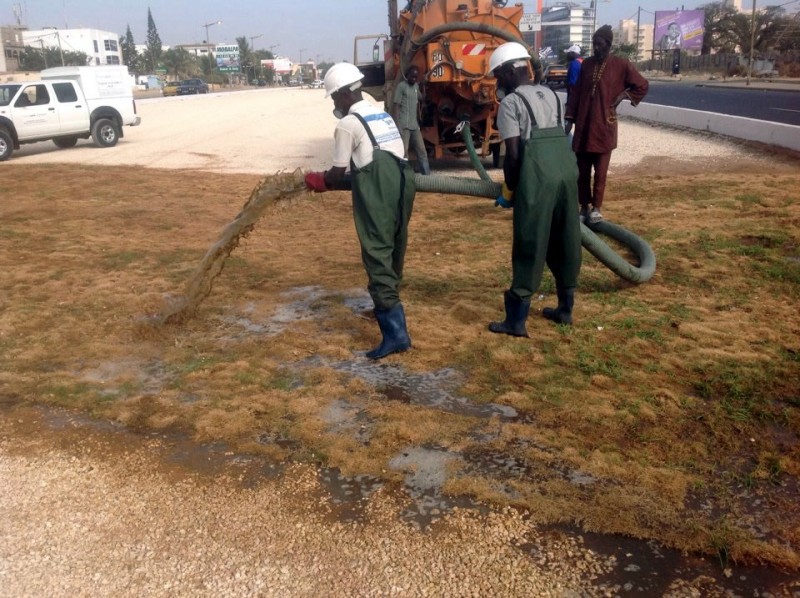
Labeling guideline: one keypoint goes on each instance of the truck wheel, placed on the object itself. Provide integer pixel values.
(6, 145)
(65, 142)
(105, 133)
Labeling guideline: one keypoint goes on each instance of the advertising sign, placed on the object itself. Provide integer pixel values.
(227, 58)
(282, 66)
(678, 29)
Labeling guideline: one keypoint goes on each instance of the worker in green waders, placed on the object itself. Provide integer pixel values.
(367, 141)
(540, 186)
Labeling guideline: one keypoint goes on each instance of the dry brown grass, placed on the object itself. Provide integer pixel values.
(679, 398)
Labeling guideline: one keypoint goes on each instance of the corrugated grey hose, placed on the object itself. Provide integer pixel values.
(595, 245)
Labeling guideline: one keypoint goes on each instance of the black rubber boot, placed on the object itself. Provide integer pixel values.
(563, 313)
(516, 314)
(395, 334)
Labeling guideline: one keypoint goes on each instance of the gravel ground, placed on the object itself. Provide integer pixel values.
(92, 513)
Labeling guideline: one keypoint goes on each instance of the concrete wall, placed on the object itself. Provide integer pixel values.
(770, 133)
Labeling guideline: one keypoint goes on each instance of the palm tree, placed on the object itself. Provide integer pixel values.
(179, 62)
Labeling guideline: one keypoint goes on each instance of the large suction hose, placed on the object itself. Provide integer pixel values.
(593, 244)
(425, 38)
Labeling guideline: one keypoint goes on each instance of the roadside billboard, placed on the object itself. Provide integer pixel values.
(678, 29)
(281, 66)
(227, 58)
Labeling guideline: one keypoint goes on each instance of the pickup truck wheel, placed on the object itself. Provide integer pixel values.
(105, 133)
(6, 145)
(65, 142)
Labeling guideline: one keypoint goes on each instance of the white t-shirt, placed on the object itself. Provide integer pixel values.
(512, 116)
(350, 139)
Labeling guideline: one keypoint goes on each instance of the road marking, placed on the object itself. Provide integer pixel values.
(785, 109)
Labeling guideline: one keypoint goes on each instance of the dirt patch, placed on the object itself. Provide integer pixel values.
(655, 394)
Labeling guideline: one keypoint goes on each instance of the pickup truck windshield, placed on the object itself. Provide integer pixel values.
(7, 93)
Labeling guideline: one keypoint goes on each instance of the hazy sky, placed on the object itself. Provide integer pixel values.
(322, 29)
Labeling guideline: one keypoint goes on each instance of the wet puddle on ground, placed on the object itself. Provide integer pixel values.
(645, 568)
(631, 566)
(430, 389)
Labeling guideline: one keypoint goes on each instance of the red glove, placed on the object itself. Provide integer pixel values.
(315, 181)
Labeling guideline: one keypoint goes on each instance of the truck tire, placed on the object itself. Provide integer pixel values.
(6, 145)
(65, 142)
(105, 132)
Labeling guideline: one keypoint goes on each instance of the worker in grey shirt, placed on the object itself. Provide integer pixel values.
(540, 185)
(406, 100)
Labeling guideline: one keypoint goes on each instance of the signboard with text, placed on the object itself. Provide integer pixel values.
(530, 22)
(679, 30)
(227, 58)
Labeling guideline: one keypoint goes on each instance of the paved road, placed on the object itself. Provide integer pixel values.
(775, 106)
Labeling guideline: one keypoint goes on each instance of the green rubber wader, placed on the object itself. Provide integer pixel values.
(546, 225)
(383, 197)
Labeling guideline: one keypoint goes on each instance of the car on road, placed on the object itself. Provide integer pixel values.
(555, 75)
(193, 86)
(316, 84)
(171, 88)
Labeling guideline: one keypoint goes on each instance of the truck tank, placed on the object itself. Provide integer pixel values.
(451, 42)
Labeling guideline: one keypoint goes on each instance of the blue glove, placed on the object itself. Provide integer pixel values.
(505, 199)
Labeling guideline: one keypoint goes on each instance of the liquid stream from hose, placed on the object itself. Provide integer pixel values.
(270, 190)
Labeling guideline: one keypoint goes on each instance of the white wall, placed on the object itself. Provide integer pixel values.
(102, 47)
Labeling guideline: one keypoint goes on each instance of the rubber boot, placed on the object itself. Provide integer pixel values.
(563, 313)
(516, 314)
(395, 334)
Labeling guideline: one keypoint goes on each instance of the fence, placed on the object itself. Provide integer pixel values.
(724, 62)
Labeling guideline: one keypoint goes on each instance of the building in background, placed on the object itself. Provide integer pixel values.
(10, 47)
(737, 5)
(566, 24)
(101, 47)
(627, 34)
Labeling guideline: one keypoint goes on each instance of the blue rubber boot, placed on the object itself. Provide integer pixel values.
(395, 334)
(516, 314)
(563, 313)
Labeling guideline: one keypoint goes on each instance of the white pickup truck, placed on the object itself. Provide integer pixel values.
(67, 103)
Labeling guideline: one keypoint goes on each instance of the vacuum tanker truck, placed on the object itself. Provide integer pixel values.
(450, 41)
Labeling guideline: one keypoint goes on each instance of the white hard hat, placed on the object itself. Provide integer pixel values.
(574, 48)
(342, 75)
(508, 52)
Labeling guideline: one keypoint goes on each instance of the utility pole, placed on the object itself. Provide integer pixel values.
(44, 54)
(638, 24)
(752, 42)
(255, 37)
(61, 51)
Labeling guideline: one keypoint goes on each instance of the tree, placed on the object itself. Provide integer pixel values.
(627, 51)
(727, 30)
(130, 57)
(36, 59)
(207, 64)
(246, 60)
(154, 47)
(179, 62)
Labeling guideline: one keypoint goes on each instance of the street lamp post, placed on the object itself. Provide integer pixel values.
(207, 25)
(253, 37)
(208, 43)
